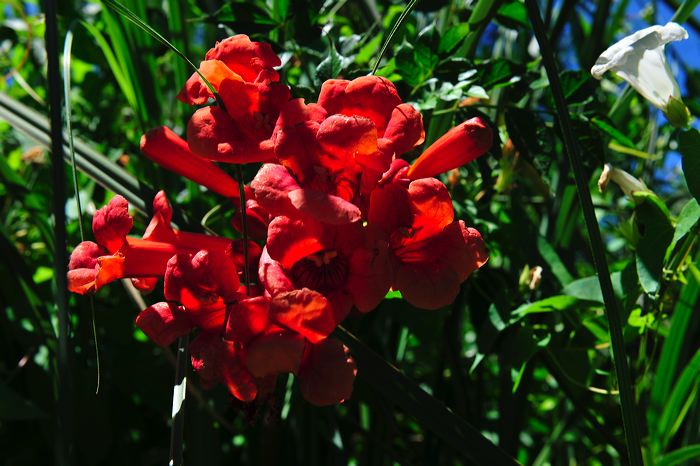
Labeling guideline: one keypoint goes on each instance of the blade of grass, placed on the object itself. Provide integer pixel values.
(64, 431)
(430, 412)
(671, 354)
(114, 65)
(679, 402)
(37, 127)
(67, 49)
(392, 33)
(128, 14)
(94, 165)
(685, 11)
(612, 312)
(679, 456)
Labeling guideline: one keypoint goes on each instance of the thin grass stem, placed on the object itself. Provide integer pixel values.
(392, 33)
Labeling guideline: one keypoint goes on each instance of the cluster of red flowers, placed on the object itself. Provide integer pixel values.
(336, 220)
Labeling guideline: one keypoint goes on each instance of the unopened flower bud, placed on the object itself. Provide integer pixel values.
(628, 183)
(459, 146)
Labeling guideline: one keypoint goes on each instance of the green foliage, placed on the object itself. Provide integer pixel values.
(519, 366)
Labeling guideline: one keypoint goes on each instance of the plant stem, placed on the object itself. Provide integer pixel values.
(177, 432)
(629, 418)
(64, 427)
(244, 222)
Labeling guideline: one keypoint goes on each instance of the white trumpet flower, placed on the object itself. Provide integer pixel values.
(639, 59)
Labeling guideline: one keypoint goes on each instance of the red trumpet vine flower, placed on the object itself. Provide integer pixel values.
(287, 333)
(197, 289)
(335, 151)
(459, 146)
(242, 74)
(432, 253)
(114, 256)
(338, 262)
(171, 152)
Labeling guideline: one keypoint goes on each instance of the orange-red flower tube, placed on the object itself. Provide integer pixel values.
(460, 145)
(171, 152)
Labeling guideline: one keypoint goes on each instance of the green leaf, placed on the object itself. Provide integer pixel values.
(331, 66)
(679, 456)
(499, 73)
(687, 219)
(588, 288)
(8, 175)
(613, 132)
(513, 14)
(453, 37)
(682, 397)
(656, 232)
(689, 147)
(559, 270)
(552, 304)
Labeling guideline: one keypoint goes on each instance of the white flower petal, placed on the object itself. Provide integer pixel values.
(639, 59)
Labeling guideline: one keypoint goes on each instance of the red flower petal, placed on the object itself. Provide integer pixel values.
(82, 280)
(326, 208)
(431, 206)
(289, 240)
(370, 276)
(326, 377)
(405, 129)
(246, 58)
(85, 255)
(275, 353)
(304, 311)
(213, 135)
(346, 139)
(197, 281)
(196, 92)
(272, 276)
(247, 319)
(164, 323)
(112, 223)
(218, 360)
(271, 186)
(373, 97)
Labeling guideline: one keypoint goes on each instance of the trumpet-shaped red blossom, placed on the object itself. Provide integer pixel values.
(344, 219)
(114, 256)
(339, 262)
(459, 146)
(335, 151)
(287, 333)
(243, 76)
(432, 253)
(171, 152)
